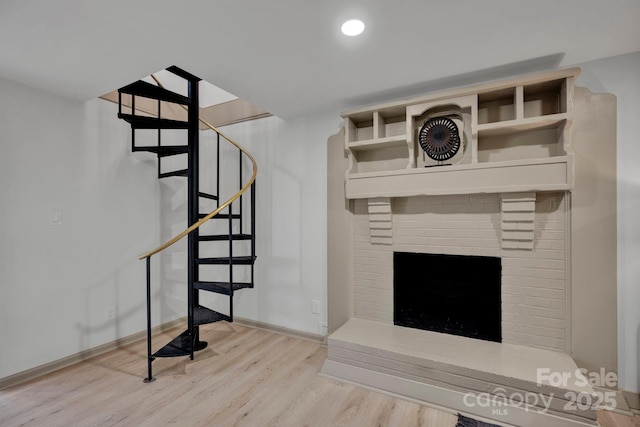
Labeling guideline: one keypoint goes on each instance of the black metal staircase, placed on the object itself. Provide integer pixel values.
(233, 238)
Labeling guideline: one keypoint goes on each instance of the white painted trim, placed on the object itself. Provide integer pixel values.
(322, 339)
(438, 397)
(567, 269)
(47, 368)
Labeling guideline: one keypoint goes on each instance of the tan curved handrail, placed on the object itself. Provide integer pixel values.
(222, 206)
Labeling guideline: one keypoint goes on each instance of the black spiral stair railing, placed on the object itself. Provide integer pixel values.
(188, 342)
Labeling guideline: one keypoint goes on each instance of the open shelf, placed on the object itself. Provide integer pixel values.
(372, 144)
(359, 127)
(513, 131)
(545, 98)
(497, 106)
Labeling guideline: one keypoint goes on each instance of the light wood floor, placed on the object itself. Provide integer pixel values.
(246, 377)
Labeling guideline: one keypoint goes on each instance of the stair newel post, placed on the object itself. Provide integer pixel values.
(133, 130)
(253, 227)
(149, 356)
(240, 186)
(159, 140)
(231, 262)
(193, 211)
(217, 169)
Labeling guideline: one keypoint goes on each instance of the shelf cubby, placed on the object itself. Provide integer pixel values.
(546, 98)
(497, 106)
(359, 127)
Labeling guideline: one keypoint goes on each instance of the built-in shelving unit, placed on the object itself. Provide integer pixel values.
(516, 137)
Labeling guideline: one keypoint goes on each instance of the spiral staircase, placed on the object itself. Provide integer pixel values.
(236, 243)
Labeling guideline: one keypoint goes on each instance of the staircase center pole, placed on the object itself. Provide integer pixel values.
(149, 356)
(193, 210)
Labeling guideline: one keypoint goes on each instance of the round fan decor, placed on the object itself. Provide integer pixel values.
(439, 138)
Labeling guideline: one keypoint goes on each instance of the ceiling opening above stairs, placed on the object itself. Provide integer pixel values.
(217, 106)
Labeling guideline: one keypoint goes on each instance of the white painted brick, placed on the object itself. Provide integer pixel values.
(533, 263)
(377, 254)
(551, 313)
(363, 313)
(518, 206)
(384, 225)
(518, 226)
(534, 330)
(381, 232)
(448, 232)
(364, 274)
(538, 253)
(374, 284)
(533, 282)
(518, 216)
(550, 235)
(372, 306)
(558, 294)
(533, 272)
(381, 240)
(517, 244)
(533, 301)
(444, 242)
(508, 317)
(374, 261)
(379, 217)
(374, 293)
(509, 337)
(517, 235)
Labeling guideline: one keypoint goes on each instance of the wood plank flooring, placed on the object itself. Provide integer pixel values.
(245, 377)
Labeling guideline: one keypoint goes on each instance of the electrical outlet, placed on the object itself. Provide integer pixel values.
(315, 306)
(110, 312)
(55, 216)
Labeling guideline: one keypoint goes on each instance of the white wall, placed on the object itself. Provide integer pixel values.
(56, 282)
(291, 268)
(620, 76)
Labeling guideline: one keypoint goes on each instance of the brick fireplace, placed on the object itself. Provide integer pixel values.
(534, 188)
(526, 230)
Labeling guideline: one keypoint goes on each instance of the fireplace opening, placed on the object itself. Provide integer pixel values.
(452, 294)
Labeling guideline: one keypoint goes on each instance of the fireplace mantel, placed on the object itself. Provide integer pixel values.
(516, 137)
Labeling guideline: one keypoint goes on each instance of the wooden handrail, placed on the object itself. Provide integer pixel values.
(222, 206)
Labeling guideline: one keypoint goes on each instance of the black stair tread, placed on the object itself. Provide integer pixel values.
(181, 172)
(223, 237)
(203, 315)
(207, 196)
(146, 122)
(237, 260)
(179, 346)
(221, 216)
(148, 90)
(164, 150)
(182, 73)
(221, 287)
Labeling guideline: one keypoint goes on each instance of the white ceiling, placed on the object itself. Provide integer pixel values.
(288, 56)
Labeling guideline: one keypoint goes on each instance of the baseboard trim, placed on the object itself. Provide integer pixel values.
(47, 368)
(280, 330)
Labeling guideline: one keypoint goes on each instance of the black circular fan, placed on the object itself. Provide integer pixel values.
(439, 138)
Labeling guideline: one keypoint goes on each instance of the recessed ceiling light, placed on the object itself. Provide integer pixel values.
(352, 27)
